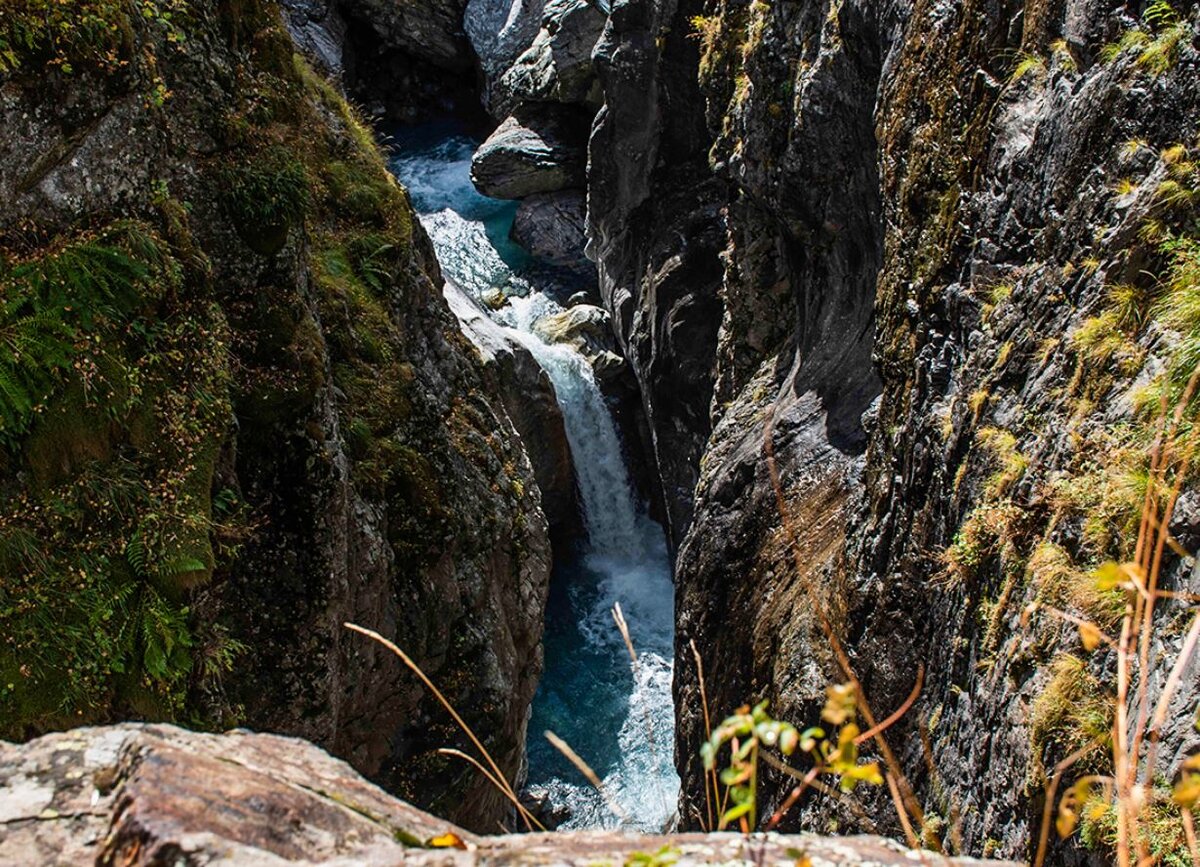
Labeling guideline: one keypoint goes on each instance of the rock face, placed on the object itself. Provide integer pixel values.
(815, 230)
(408, 61)
(534, 151)
(557, 65)
(429, 30)
(148, 795)
(654, 224)
(529, 397)
(319, 31)
(500, 31)
(286, 429)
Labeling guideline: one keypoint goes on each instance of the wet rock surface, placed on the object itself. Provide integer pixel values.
(552, 227)
(154, 794)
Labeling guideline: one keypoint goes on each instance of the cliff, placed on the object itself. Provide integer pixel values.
(238, 412)
(154, 795)
(941, 231)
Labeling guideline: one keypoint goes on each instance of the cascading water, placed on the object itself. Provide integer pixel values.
(617, 716)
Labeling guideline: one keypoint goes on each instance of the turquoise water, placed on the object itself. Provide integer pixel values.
(618, 716)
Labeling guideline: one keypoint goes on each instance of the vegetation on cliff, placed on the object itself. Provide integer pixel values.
(232, 400)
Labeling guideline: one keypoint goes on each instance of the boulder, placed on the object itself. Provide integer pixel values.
(557, 66)
(552, 226)
(141, 795)
(538, 149)
(588, 329)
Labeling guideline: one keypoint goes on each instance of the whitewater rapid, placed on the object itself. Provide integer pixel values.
(619, 717)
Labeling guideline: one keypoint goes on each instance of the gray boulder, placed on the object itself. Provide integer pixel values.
(536, 150)
(551, 226)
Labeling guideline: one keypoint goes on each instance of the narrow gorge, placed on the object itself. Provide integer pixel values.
(810, 381)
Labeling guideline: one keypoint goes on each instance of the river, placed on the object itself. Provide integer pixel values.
(618, 717)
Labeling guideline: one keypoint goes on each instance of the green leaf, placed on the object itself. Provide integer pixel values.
(734, 813)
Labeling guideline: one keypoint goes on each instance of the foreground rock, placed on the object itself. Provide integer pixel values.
(138, 794)
(536, 150)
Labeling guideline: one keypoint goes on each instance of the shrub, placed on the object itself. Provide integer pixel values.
(265, 196)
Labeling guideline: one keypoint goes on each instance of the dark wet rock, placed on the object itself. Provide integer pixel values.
(539, 149)
(655, 232)
(428, 30)
(319, 32)
(551, 226)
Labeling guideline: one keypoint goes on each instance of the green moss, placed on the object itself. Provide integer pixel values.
(1071, 711)
(1160, 825)
(100, 543)
(983, 533)
(265, 196)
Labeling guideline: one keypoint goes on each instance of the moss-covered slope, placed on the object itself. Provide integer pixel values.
(235, 411)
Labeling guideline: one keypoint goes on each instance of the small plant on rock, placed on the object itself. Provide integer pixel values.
(751, 732)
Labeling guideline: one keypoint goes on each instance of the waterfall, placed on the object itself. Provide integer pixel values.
(618, 717)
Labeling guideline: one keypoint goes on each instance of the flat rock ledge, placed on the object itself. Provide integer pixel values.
(136, 794)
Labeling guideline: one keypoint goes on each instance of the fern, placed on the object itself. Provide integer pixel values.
(1160, 13)
(1157, 43)
(135, 554)
(49, 302)
(1135, 38)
